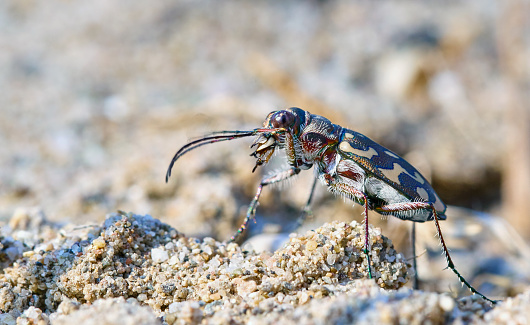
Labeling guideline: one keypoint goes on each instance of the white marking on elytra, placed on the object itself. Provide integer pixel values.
(422, 193)
(438, 205)
(368, 154)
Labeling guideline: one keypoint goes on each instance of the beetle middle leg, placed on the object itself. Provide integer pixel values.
(281, 176)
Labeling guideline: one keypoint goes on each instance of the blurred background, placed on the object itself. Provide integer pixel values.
(97, 96)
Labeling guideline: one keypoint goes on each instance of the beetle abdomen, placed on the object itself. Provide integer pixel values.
(380, 194)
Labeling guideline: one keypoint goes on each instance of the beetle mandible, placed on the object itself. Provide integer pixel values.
(347, 162)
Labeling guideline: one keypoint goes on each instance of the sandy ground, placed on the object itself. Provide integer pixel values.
(136, 270)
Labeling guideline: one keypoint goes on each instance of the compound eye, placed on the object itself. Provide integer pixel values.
(282, 119)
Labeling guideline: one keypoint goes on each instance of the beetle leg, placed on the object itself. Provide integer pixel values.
(416, 282)
(281, 176)
(430, 206)
(359, 197)
(407, 206)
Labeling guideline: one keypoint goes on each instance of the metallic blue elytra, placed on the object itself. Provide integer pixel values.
(393, 171)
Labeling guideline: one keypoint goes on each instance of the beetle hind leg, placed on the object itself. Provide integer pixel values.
(409, 206)
(366, 245)
(416, 283)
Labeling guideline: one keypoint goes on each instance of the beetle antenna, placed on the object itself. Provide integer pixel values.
(210, 138)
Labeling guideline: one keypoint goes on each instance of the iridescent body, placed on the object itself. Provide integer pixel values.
(353, 165)
(347, 162)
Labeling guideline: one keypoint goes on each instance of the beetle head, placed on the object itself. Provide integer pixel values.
(277, 126)
(291, 119)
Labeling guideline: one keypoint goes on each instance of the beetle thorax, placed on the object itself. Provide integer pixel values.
(316, 137)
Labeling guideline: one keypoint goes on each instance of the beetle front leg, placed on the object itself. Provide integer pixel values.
(281, 176)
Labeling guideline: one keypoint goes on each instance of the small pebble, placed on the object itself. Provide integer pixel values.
(99, 243)
(159, 255)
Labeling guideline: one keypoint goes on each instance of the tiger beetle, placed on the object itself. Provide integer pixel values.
(348, 163)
